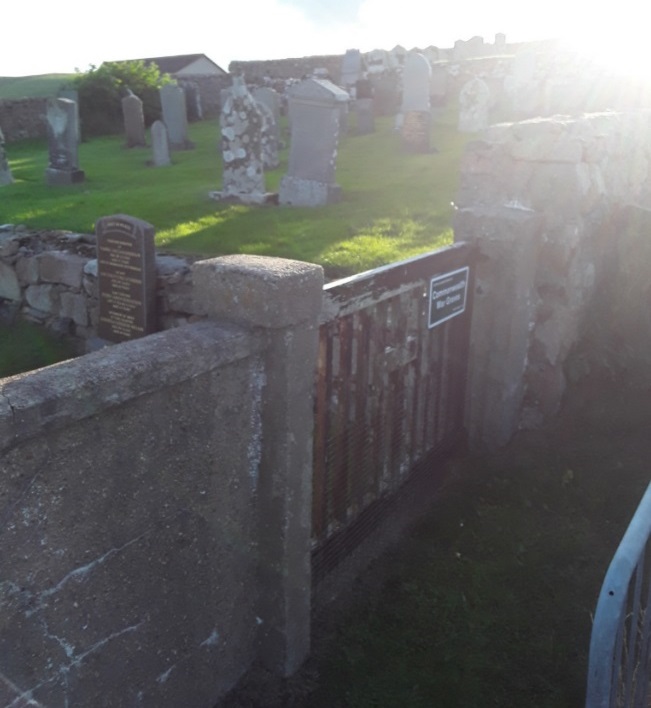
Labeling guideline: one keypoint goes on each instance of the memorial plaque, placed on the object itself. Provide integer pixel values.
(447, 296)
(416, 131)
(126, 271)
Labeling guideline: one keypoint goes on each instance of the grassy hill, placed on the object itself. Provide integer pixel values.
(40, 86)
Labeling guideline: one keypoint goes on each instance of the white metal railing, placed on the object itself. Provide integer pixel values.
(618, 669)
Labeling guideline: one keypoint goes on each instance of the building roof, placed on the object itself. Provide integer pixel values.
(172, 65)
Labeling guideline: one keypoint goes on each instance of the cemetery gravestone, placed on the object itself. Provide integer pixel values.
(269, 138)
(72, 95)
(134, 120)
(269, 98)
(63, 141)
(160, 145)
(416, 122)
(126, 272)
(351, 68)
(474, 104)
(386, 93)
(364, 107)
(5, 172)
(310, 179)
(242, 147)
(439, 86)
(172, 99)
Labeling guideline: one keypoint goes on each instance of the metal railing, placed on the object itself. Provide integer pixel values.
(618, 670)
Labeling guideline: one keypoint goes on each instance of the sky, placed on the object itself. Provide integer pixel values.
(46, 36)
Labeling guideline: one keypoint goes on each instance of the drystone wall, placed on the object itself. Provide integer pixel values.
(542, 201)
(23, 118)
(255, 71)
(50, 278)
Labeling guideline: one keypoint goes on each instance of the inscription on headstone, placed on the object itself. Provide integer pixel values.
(126, 269)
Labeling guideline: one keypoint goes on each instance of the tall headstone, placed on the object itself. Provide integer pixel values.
(73, 95)
(172, 100)
(269, 137)
(241, 140)
(160, 145)
(416, 122)
(126, 273)
(474, 106)
(5, 172)
(63, 142)
(134, 120)
(270, 98)
(310, 179)
(351, 69)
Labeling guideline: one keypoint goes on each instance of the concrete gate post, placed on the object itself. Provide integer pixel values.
(282, 300)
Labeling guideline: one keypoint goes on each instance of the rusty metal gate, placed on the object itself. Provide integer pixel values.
(390, 391)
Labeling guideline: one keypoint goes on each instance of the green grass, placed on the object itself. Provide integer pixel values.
(40, 86)
(24, 347)
(489, 601)
(395, 205)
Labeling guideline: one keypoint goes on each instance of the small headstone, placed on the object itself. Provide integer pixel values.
(63, 141)
(365, 116)
(126, 274)
(310, 179)
(439, 86)
(172, 99)
(5, 172)
(241, 130)
(160, 145)
(134, 120)
(351, 68)
(474, 104)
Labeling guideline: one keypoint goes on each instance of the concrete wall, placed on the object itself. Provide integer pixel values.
(155, 503)
(541, 201)
(23, 118)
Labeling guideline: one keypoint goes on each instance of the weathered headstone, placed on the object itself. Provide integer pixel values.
(416, 122)
(269, 137)
(386, 93)
(134, 120)
(474, 105)
(72, 95)
(241, 140)
(126, 272)
(351, 68)
(63, 141)
(364, 107)
(270, 98)
(172, 100)
(5, 172)
(439, 86)
(310, 180)
(160, 145)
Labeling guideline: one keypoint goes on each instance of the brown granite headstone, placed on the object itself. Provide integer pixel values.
(126, 269)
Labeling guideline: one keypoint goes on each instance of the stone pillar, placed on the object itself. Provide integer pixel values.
(504, 312)
(282, 300)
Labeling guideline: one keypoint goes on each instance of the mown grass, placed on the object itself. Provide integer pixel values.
(24, 347)
(489, 601)
(39, 86)
(395, 204)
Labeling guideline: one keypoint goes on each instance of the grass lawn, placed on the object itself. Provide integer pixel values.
(395, 205)
(40, 86)
(24, 347)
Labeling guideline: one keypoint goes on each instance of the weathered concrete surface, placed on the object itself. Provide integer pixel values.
(129, 502)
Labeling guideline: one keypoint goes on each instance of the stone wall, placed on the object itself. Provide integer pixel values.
(23, 118)
(255, 71)
(50, 278)
(156, 502)
(541, 201)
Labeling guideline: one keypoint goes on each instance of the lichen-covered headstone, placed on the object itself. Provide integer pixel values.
(160, 145)
(310, 179)
(241, 124)
(63, 141)
(474, 105)
(134, 120)
(5, 172)
(175, 117)
(269, 138)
